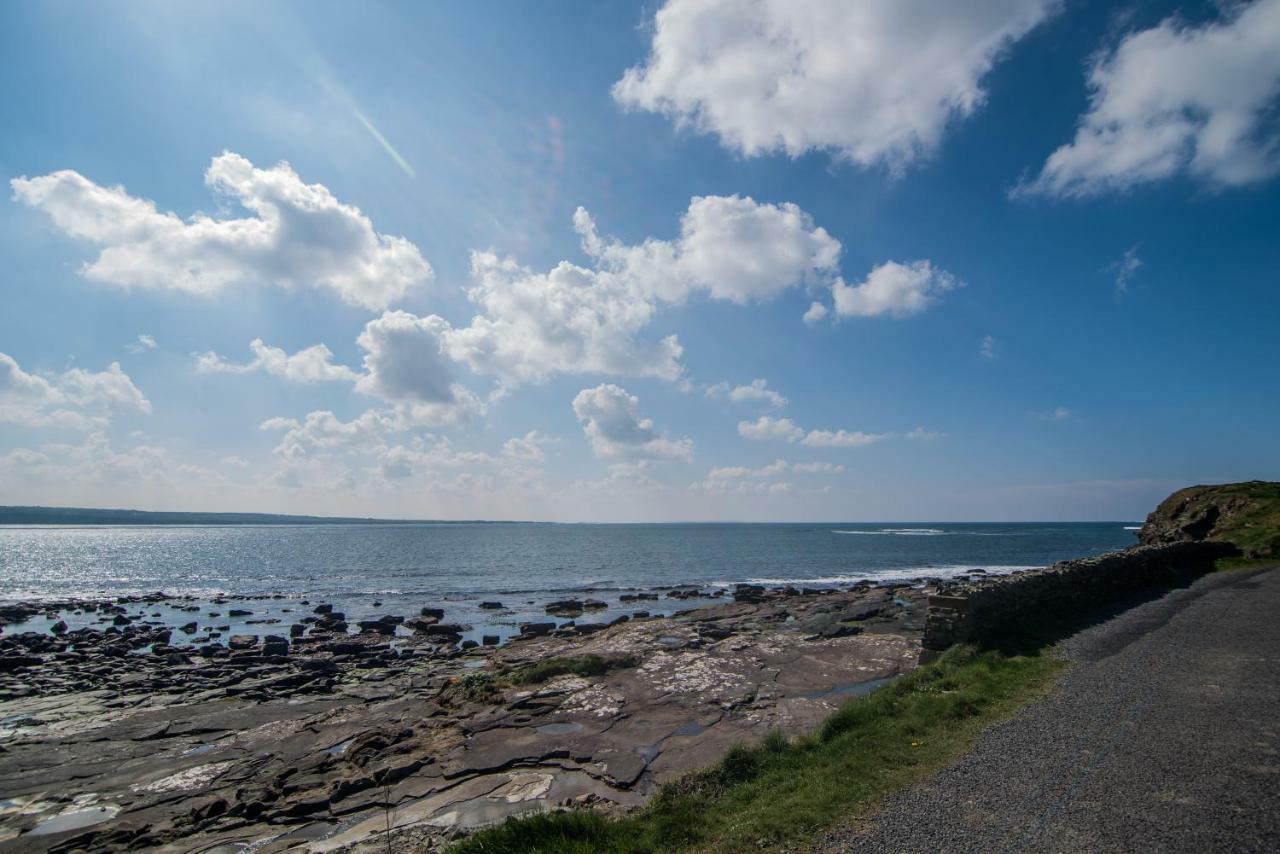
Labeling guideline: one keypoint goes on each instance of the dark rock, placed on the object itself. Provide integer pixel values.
(242, 641)
(10, 663)
(490, 640)
(273, 645)
(491, 606)
(239, 612)
(536, 629)
(449, 630)
(59, 628)
(189, 628)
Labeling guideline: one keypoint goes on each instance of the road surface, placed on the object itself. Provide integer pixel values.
(1163, 736)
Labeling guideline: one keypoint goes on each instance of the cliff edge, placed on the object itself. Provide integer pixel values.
(1246, 514)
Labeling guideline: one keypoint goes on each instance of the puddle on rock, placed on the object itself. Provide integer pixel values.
(73, 820)
(339, 748)
(851, 689)
(201, 749)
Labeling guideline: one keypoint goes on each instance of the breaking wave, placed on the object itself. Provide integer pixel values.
(910, 573)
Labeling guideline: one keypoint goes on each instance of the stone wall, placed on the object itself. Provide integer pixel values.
(982, 611)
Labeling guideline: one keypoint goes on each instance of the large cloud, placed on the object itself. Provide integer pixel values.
(568, 320)
(576, 319)
(404, 364)
(875, 81)
(404, 359)
(1175, 98)
(299, 236)
(611, 419)
(76, 398)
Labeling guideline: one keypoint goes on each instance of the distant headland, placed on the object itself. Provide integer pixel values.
(100, 516)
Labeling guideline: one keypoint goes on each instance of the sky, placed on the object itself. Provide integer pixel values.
(759, 260)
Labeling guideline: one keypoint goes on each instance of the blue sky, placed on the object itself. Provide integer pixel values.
(1043, 239)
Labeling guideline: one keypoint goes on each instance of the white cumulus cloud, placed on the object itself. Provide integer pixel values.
(875, 81)
(1177, 98)
(898, 290)
(529, 447)
(575, 319)
(142, 344)
(298, 235)
(841, 438)
(76, 398)
(757, 391)
(310, 365)
(611, 419)
(766, 428)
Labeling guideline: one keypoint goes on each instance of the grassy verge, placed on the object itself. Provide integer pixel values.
(785, 791)
(1230, 563)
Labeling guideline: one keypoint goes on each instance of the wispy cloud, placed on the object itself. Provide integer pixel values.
(988, 347)
(1126, 268)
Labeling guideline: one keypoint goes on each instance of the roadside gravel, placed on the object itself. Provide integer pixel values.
(1163, 736)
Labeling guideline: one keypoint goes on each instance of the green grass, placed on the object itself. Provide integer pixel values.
(1256, 527)
(1241, 563)
(1246, 514)
(783, 792)
(582, 665)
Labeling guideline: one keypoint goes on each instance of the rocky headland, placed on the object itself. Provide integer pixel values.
(1244, 514)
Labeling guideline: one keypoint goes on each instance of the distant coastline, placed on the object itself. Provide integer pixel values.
(99, 516)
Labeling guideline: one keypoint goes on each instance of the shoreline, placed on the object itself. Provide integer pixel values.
(302, 738)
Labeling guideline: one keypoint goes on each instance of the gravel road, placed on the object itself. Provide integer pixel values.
(1163, 736)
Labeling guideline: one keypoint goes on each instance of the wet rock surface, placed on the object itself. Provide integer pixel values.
(112, 738)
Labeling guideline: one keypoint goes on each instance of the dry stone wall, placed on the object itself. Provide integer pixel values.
(982, 611)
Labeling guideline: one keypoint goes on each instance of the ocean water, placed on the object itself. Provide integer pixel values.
(367, 569)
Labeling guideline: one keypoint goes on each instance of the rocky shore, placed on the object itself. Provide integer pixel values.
(125, 733)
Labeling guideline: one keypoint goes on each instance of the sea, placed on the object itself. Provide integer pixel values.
(368, 570)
